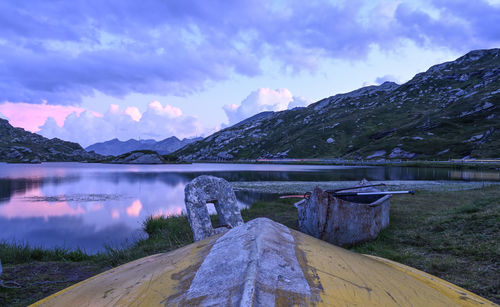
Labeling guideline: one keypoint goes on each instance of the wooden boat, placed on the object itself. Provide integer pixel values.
(263, 263)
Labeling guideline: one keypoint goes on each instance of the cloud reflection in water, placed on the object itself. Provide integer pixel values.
(93, 205)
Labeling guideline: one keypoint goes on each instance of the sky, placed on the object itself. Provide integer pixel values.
(90, 70)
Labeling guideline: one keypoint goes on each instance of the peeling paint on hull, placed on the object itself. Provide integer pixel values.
(263, 263)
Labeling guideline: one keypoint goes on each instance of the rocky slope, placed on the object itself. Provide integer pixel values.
(18, 145)
(116, 147)
(138, 157)
(449, 111)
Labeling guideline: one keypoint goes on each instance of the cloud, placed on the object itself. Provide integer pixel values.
(298, 102)
(457, 24)
(385, 78)
(60, 51)
(31, 117)
(157, 122)
(134, 113)
(263, 99)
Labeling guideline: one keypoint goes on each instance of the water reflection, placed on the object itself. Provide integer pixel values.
(92, 205)
(474, 175)
(22, 207)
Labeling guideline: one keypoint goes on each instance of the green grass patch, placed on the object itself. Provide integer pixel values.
(453, 235)
(281, 211)
(12, 253)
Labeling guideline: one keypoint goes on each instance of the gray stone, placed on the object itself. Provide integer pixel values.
(344, 220)
(475, 138)
(377, 154)
(139, 158)
(209, 189)
(14, 154)
(225, 155)
(330, 140)
(400, 153)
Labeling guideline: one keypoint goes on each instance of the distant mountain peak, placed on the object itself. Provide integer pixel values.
(116, 147)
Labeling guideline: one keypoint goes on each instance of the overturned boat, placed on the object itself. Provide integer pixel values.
(258, 263)
(263, 263)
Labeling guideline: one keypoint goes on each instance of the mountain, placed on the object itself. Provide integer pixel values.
(449, 111)
(138, 157)
(18, 145)
(116, 147)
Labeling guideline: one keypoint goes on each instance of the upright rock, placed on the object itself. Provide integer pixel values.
(209, 189)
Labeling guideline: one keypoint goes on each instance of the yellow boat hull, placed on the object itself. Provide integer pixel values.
(312, 273)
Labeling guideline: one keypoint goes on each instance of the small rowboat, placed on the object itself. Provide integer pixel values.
(263, 263)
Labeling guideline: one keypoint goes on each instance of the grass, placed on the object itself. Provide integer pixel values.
(281, 211)
(453, 235)
(12, 253)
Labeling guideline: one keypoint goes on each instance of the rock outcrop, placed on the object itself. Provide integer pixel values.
(18, 145)
(209, 189)
(139, 157)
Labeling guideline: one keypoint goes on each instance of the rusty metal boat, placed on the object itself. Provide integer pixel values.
(346, 216)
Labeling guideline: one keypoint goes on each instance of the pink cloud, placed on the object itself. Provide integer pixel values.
(135, 208)
(114, 108)
(32, 116)
(134, 113)
(156, 122)
(168, 110)
(115, 214)
(20, 208)
(263, 99)
(95, 207)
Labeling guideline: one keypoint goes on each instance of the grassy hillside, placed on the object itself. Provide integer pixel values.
(449, 111)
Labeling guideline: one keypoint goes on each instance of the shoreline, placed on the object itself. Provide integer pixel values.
(277, 187)
(491, 164)
(460, 164)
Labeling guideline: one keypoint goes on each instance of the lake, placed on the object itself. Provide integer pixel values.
(89, 206)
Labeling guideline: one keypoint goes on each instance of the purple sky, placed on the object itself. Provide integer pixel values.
(155, 68)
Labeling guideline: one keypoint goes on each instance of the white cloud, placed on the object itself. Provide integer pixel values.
(3, 116)
(134, 113)
(263, 99)
(298, 101)
(391, 78)
(157, 122)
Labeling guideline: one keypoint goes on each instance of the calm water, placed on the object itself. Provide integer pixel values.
(91, 205)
